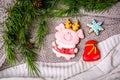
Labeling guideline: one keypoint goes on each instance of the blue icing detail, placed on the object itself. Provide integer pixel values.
(95, 26)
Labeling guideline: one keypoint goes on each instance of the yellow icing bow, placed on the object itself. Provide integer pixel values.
(93, 48)
(68, 24)
(75, 26)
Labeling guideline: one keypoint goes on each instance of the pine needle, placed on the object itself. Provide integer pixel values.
(41, 32)
(30, 56)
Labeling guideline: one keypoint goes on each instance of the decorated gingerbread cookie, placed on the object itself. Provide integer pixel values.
(95, 27)
(66, 41)
(91, 52)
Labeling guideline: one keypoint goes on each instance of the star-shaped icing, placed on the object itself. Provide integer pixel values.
(95, 26)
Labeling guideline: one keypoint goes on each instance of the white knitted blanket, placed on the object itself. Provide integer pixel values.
(108, 67)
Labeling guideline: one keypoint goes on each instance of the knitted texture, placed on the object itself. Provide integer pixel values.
(107, 68)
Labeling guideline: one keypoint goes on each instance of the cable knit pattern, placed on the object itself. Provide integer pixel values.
(79, 70)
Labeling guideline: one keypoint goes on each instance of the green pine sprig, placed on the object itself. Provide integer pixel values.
(16, 34)
(72, 7)
(30, 56)
(41, 32)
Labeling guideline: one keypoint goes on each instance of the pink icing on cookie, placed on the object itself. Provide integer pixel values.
(68, 36)
(66, 41)
(60, 27)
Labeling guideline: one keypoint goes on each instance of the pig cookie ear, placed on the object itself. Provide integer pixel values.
(80, 33)
(60, 27)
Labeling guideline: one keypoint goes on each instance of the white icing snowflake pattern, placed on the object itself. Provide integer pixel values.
(95, 26)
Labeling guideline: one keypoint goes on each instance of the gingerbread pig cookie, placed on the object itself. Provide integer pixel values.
(66, 41)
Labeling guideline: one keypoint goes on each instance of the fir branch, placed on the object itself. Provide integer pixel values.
(20, 16)
(72, 7)
(9, 43)
(10, 54)
(30, 56)
(41, 32)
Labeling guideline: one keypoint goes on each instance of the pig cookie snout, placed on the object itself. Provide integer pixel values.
(68, 36)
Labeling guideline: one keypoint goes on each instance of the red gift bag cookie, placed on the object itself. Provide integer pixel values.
(91, 52)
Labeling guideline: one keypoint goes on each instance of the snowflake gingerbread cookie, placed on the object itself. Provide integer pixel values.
(95, 27)
(66, 41)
